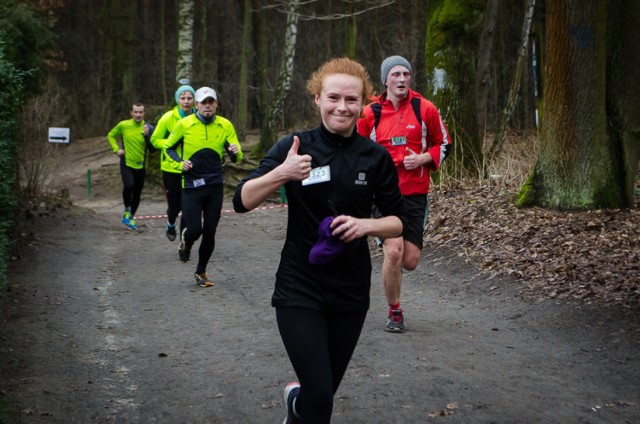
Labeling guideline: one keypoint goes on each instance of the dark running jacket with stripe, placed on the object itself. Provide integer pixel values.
(204, 145)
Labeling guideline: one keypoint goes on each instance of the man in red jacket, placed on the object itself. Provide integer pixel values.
(411, 129)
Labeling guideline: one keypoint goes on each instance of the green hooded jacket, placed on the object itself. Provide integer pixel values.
(161, 134)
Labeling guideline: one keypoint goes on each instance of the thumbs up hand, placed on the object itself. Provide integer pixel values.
(412, 160)
(296, 167)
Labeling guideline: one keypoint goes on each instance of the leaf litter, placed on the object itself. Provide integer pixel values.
(592, 256)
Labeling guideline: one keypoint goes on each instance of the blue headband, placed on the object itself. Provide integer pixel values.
(182, 89)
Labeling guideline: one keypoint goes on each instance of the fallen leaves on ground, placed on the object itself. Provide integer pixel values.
(593, 255)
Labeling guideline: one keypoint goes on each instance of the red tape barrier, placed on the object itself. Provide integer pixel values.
(224, 211)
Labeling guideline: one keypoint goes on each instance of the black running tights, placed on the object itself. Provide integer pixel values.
(201, 208)
(172, 184)
(133, 182)
(319, 345)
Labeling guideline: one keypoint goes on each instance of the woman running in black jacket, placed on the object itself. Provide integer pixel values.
(332, 176)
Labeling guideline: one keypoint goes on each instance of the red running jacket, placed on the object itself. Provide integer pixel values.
(402, 129)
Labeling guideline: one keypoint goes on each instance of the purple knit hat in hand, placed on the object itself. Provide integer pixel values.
(328, 247)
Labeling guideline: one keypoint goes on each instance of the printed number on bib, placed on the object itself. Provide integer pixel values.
(318, 175)
(399, 141)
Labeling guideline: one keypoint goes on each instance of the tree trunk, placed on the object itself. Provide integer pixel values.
(417, 18)
(241, 124)
(121, 17)
(106, 23)
(451, 47)
(269, 130)
(184, 62)
(352, 33)
(496, 146)
(146, 53)
(260, 38)
(127, 55)
(483, 74)
(209, 40)
(623, 87)
(331, 27)
(163, 54)
(576, 166)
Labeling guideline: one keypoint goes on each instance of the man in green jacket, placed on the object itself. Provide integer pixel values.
(129, 139)
(204, 137)
(171, 170)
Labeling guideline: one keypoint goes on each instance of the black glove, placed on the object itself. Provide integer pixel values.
(232, 155)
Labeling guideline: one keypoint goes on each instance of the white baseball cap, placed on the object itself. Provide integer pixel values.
(204, 93)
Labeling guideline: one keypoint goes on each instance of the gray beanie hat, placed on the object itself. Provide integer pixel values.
(389, 63)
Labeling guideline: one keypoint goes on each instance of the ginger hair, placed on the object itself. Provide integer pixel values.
(342, 65)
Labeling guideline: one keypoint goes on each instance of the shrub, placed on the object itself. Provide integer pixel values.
(11, 93)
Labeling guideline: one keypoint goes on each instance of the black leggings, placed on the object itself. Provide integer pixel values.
(133, 182)
(172, 184)
(319, 345)
(201, 208)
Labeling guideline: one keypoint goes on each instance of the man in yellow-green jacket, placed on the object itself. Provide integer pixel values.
(129, 139)
(204, 137)
(171, 170)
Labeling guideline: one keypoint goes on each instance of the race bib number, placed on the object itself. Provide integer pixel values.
(399, 141)
(198, 183)
(318, 175)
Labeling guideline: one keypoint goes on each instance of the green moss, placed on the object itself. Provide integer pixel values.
(526, 194)
(608, 196)
(5, 410)
(454, 23)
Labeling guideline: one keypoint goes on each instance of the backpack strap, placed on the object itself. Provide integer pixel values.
(376, 108)
(415, 104)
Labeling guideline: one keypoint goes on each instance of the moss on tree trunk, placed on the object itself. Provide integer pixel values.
(578, 165)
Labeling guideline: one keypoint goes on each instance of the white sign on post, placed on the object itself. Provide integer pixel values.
(59, 135)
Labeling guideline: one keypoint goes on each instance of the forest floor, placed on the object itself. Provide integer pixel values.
(513, 316)
(591, 256)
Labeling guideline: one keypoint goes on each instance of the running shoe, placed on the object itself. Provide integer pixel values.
(132, 224)
(203, 280)
(184, 251)
(126, 217)
(395, 321)
(290, 394)
(171, 232)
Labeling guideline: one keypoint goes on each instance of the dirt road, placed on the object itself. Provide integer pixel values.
(103, 324)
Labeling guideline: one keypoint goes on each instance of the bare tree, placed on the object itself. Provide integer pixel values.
(184, 63)
(39, 159)
(163, 53)
(623, 86)
(483, 77)
(241, 124)
(260, 37)
(517, 79)
(268, 133)
(120, 17)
